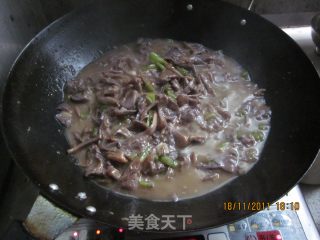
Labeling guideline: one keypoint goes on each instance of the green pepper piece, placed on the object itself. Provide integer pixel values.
(183, 71)
(169, 92)
(258, 136)
(168, 161)
(150, 67)
(148, 85)
(252, 154)
(146, 183)
(262, 126)
(222, 146)
(145, 153)
(158, 61)
(151, 97)
(149, 118)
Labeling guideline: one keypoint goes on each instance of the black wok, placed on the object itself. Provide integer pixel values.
(35, 88)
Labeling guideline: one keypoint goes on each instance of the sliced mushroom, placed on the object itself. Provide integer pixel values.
(79, 98)
(64, 107)
(65, 118)
(123, 131)
(197, 139)
(82, 145)
(182, 99)
(123, 111)
(181, 140)
(116, 155)
(162, 122)
(167, 74)
(130, 99)
(226, 115)
(111, 171)
(107, 100)
(138, 126)
(211, 177)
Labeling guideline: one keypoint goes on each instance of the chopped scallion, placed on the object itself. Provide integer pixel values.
(145, 153)
(169, 92)
(262, 126)
(146, 183)
(258, 136)
(168, 161)
(183, 71)
(222, 146)
(151, 97)
(158, 61)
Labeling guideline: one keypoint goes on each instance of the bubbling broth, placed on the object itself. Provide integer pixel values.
(164, 120)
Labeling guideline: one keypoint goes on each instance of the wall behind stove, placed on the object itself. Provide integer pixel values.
(55, 8)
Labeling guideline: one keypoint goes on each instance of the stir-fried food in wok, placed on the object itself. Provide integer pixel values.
(164, 119)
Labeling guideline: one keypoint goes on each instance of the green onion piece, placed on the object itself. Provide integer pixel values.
(258, 136)
(149, 118)
(149, 67)
(168, 161)
(183, 71)
(241, 113)
(222, 146)
(252, 154)
(262, 126)
(155, 58)
(169, 92)
(145, 153)
(146, 183)
(148, 85)
(161, 67)
(158, 61)
(151, 97)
